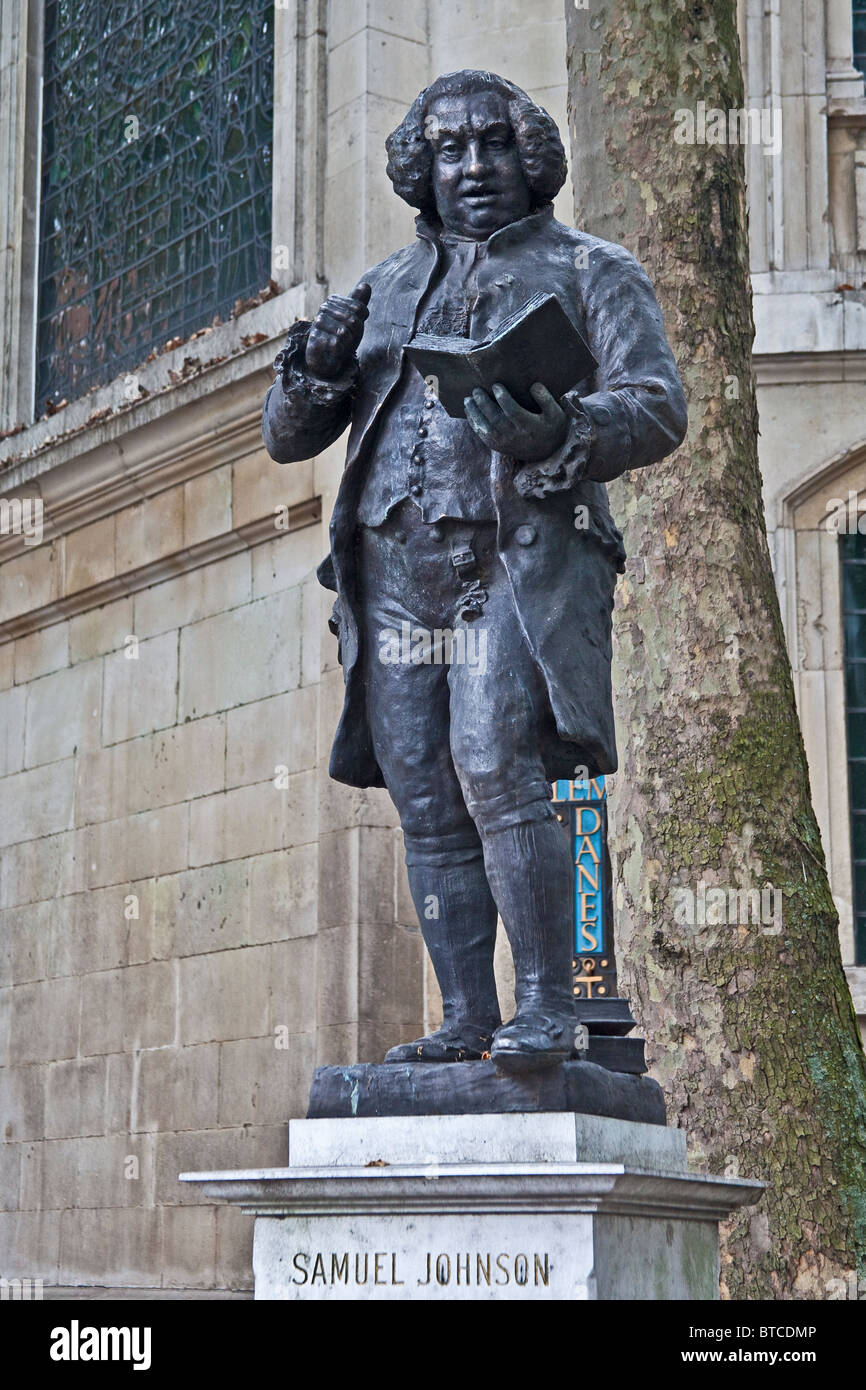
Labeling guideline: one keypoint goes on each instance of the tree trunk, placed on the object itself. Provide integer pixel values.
(750, 1026)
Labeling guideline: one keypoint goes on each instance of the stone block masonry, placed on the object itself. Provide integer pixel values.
(160, 889)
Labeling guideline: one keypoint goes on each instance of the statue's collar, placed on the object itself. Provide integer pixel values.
(430, 229)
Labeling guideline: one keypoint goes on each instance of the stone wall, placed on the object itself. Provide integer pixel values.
(158, 871)
(808, 253)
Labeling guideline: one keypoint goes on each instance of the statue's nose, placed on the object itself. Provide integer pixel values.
(473, 164)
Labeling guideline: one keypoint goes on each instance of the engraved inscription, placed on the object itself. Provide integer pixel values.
(440, 1269)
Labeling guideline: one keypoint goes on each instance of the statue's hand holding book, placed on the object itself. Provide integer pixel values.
(508, 387)
(537, 345)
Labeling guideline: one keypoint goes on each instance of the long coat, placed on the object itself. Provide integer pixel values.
(562, 562)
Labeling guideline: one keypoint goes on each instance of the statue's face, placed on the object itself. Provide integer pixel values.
(478, 180)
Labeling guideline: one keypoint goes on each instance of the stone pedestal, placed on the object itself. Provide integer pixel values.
(497, 1206)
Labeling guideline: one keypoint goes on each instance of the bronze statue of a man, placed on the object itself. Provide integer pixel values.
(496, 525)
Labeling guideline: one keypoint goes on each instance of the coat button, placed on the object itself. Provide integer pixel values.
(400, 537)
(525, 535)
(416, 489)
(436, 533)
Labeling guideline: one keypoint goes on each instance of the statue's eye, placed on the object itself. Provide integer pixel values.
(449, 150)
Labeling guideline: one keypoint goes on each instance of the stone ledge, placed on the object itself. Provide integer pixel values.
(612, 1188)
(151, 456)
(848, 109)
(105, 1293)
(809, 368)
(209, 552)
(811, 324)
(212, 361)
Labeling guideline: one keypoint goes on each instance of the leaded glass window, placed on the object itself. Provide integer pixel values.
(860, 35)
(854, 618)
(156, 178)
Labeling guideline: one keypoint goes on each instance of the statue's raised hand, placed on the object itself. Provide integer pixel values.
(337, 332)
(509, 429)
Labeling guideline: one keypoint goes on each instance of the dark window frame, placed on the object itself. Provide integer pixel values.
(858, 20)
(852, 567)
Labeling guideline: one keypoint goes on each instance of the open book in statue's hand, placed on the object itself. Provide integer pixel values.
(539, 343)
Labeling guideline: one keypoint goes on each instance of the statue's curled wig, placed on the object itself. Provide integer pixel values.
(410, 146)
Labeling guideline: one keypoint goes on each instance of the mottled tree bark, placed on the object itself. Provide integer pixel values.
(751, 1030)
